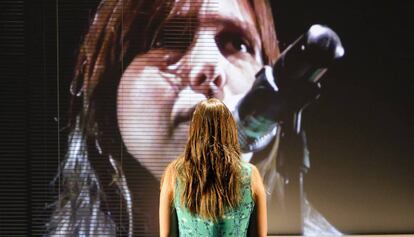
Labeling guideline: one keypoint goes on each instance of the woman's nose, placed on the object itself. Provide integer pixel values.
(207, 69)
(207, 79)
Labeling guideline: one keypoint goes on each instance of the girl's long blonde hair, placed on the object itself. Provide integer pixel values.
(209, 171)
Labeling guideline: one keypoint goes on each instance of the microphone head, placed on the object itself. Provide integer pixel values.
(323, 45)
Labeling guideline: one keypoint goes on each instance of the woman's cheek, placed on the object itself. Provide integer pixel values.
(145, 101)
(241, 75)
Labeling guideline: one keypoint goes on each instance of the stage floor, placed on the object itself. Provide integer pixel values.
(404, 235)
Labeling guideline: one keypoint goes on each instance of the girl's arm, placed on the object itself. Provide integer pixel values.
(166, 198)
(259, 196)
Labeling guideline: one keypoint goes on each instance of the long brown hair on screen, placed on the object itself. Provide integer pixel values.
(209, 169)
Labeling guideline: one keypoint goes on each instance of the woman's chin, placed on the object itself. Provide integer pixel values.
(156, 159)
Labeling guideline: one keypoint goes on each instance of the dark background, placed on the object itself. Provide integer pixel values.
(359, 131)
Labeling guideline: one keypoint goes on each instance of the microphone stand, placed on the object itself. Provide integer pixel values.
(293, 163)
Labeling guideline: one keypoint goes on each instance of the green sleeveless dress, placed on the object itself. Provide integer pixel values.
(235, 222)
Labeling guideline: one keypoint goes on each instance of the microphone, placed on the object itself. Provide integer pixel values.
(287, 87)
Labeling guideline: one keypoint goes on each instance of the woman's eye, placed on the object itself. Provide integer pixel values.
(230, 44)
(243, 48)
(237, 45)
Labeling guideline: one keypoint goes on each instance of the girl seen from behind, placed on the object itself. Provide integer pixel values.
(213, 191)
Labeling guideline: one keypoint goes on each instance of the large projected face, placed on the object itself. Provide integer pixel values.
(160, 88)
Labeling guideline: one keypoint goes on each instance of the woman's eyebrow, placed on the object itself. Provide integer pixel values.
(211, 19)
(233, 25)
(177, 24)
(178, 30)
(178, 21)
